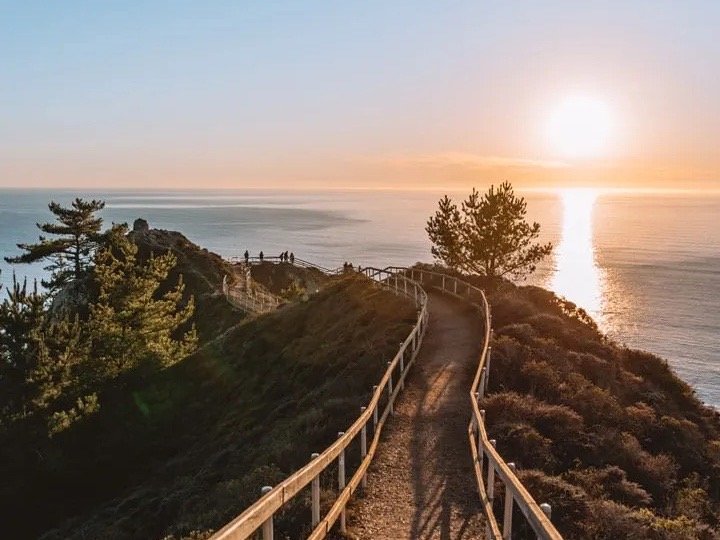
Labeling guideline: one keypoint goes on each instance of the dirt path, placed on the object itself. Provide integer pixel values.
(421, 484)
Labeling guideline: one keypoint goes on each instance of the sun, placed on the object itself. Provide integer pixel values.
(580, 127)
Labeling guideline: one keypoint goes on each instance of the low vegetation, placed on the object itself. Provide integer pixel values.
(609, 436)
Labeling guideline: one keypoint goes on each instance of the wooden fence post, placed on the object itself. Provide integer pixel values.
(480, 444)
(491, 476)
(402, 366)
(363, 448)
(267, 527)
(547, 510)
(375, 413)
(487, 368)
(315, 495)
(341, 482)
(507, 518)
(390, 391)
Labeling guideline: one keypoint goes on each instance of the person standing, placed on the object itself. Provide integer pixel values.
(262, 255)
(292, 257)
(247, 256)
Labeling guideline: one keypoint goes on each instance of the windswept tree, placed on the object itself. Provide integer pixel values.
(133, 325)
(75, 235)
(487, 235)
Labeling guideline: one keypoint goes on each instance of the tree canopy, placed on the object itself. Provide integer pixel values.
(132, 325)
(75, 236)
(54, 365)
(487, 235)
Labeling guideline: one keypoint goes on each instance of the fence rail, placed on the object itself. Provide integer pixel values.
(260, 514)
(252, 300)
(294, 261)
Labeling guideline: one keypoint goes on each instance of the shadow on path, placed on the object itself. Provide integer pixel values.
(421, 484)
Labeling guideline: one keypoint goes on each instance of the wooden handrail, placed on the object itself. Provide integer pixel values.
(255, 301)
(295, 261)
(263, 509)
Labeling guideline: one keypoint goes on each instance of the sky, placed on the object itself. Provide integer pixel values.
(358, 94)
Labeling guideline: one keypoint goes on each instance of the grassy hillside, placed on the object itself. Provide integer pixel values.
(189, 447)
(609, 436)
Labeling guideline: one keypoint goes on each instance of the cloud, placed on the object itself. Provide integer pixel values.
(469, 161)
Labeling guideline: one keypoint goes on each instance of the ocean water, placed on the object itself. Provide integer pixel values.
(646, 266)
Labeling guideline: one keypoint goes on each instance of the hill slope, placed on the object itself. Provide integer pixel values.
(192, 447)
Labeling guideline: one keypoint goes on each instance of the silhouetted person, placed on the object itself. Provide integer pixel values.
(292, 258)
(282, 256)
(247, 256)
(262, 255)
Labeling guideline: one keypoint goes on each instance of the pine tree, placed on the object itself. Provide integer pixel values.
(488, 235)
(76, 233)
(132, 326)
(22, 314)
(59, 393)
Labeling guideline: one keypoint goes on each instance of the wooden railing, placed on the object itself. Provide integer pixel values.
(369, 423)
(252, 300)
(487, 461)
(294, 261)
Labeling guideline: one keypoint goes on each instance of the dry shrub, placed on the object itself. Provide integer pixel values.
(608, 520)
(553, 421)
(569, 503)
(541, 380)
(596, 405)
(609, 483)
(521, 444)
(522, 332)
(655, 473)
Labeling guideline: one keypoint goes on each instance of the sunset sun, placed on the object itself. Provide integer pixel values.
(580, 127)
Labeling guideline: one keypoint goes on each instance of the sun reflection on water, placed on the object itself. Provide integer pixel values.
(576, 276)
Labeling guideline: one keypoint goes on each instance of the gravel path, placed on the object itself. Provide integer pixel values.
(421, 484)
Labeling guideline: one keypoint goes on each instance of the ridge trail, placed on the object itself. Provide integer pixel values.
(421, 484)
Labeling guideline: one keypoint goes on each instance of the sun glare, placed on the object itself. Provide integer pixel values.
(577, 276)
(580, 127)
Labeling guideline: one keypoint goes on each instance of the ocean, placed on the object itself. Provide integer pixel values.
(645, 265)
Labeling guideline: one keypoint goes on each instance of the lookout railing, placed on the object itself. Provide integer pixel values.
(294, 261)
(259, 516)
(251, 299)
